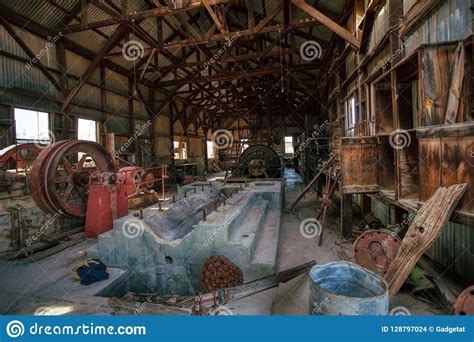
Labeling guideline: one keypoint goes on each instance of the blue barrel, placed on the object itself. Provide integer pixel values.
(344, 288)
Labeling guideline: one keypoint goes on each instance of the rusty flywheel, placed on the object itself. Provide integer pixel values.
(376, 249)
(60, 176)
(219, 273)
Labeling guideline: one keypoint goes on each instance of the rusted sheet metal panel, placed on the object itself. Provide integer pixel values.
(359, 164)
(449, 22)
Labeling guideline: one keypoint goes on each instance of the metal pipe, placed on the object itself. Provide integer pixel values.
(140, 215)
(204, 214)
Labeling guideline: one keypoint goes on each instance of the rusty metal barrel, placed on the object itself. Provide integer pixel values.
(344, 288)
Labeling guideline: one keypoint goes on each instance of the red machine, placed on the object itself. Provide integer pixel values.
(107, 201)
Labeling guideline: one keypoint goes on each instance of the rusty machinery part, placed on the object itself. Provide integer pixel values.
(376, 249)
(464, 305)
(219, 272)
(136, 179)
(258, 161)
(61, 174)
(23, 154)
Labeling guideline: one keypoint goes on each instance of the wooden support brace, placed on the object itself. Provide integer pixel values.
(333, 26)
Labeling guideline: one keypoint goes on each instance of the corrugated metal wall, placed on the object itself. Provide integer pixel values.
(449, 22)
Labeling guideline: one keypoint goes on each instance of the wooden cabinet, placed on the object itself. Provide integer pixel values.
(359, 165)
(446, 155)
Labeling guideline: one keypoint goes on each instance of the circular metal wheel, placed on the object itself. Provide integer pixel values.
(60, 176)
(23, 154)
(376, 249)
(465, 303)
(259, 161)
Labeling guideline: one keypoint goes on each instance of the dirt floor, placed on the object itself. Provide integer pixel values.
(30, 288)
(292, 298)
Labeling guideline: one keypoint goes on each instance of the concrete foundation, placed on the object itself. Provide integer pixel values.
(165, 250)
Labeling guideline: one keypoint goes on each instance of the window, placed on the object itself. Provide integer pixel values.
(210, 150)
(243, 145)
(32, 126)
(351, 116)
(180, 150)
(86, 130)
(289, 149)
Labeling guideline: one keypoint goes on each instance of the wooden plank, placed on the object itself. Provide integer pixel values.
(455, 89)
(346, 215)
(214, 17)
(423, 232)
(457, 160)
(333, 26)
(359, 164)
(436, 77)
(429, 167)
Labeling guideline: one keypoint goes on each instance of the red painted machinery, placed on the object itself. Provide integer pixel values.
(22, 155)
(61, 173)
(78, 179)
(107, 201)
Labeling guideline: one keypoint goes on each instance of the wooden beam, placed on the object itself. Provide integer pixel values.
(331, 25)
(455, 89)
(214, 17)
(114, 39)
(237, 75)
(158, 12)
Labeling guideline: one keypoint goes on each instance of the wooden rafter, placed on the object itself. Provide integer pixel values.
(330, 24)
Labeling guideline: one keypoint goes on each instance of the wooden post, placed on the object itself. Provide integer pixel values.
(346, 215)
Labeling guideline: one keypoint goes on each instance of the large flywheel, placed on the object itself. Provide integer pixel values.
(60, 175)
(258, 161)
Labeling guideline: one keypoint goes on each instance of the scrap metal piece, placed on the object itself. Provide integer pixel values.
(465, 303)
(219, 272)
(376, 249)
